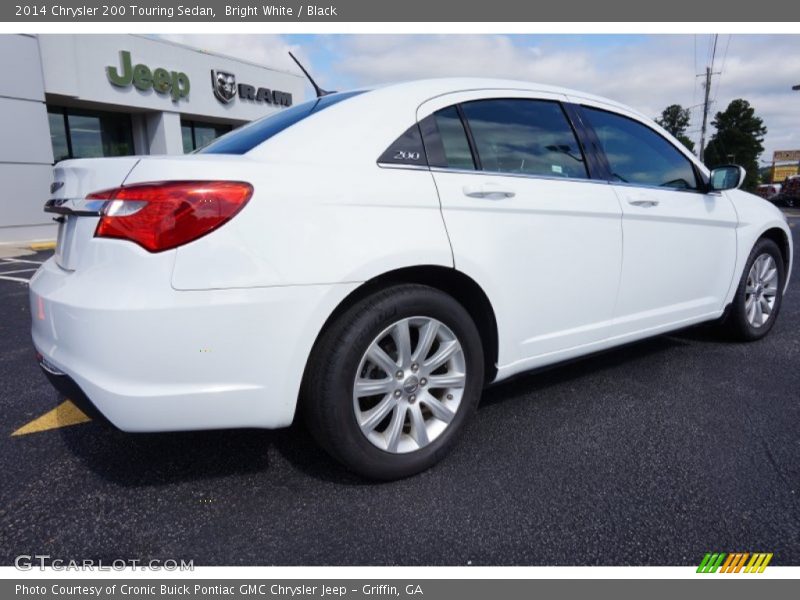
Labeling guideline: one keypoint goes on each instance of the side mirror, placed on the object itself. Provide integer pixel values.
(727, 177)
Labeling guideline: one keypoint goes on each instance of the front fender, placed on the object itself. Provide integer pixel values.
(756, 217)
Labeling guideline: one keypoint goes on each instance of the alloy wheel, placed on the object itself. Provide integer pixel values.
(409, 384)
(761, 290)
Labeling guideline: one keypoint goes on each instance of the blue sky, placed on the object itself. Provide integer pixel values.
(647, 72)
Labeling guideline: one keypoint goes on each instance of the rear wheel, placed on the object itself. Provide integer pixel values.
(393, 380)
(758, 297)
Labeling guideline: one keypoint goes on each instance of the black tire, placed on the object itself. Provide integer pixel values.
(735, 325)
(327, 394)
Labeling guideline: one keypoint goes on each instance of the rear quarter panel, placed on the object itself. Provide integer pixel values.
(308, 223)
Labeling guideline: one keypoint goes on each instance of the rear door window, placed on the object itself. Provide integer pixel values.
(528, 137)
(445, 140)
(455, 152)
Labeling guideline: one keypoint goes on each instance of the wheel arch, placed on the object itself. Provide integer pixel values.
(781, 239)
(460, 286)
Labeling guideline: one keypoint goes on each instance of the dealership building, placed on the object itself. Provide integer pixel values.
(80, 96)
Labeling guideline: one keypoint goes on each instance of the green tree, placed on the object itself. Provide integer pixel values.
(738, 140)
(675, 119)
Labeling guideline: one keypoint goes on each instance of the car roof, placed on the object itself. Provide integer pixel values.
(371, 130)
(421, 90)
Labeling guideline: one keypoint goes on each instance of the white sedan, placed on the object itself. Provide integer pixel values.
(374, 258)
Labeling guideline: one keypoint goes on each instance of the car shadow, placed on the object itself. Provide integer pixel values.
(137, 459)
(152, 459)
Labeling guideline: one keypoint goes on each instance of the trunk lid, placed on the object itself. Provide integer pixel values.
(77, 217)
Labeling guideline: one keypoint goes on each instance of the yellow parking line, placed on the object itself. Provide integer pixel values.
(45, 245)
(63, 415)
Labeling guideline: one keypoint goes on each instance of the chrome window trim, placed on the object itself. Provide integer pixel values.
(658, 187)
(490, 173)
(384, 165)
(545, 177)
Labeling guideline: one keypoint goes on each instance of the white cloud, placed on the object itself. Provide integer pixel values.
(268, 50)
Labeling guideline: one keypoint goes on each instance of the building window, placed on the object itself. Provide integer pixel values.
(197, 134)
(76, 133)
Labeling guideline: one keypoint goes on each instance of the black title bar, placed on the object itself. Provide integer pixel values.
(406, 11)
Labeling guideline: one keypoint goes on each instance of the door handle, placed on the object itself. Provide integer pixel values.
(490, 191)
(643, 202)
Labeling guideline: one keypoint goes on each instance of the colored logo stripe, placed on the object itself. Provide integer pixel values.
(711, 562)
(734, 562)
(759, 561)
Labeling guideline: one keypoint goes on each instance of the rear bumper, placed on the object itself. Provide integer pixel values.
(151, 358)
(67, 387)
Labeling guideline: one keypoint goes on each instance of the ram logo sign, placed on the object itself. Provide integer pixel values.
(226, 89)
(224, 84)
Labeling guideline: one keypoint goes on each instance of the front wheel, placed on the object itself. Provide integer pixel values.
(758, 298)
(392, 382)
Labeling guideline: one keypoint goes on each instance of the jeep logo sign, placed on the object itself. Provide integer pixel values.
(225, 89)
(174, 83)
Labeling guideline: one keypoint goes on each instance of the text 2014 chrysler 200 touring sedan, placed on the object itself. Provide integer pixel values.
(373, 258)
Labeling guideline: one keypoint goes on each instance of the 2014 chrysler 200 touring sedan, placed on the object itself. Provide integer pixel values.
(373, 258)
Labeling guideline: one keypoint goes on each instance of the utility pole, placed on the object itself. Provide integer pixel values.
(705, 113)
(706, 102)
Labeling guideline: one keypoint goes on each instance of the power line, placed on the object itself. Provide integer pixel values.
(722, 68)
(725, 54)
(694, 85)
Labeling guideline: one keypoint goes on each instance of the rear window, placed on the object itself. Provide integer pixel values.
(251, 135)
(447, 140)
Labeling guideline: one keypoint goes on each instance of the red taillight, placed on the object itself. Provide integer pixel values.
(163, 215)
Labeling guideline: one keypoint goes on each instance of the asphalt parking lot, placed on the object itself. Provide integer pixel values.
(652, 454)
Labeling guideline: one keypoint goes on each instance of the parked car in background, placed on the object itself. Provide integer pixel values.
(768, 190)
(790, 192)
(371, 259)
